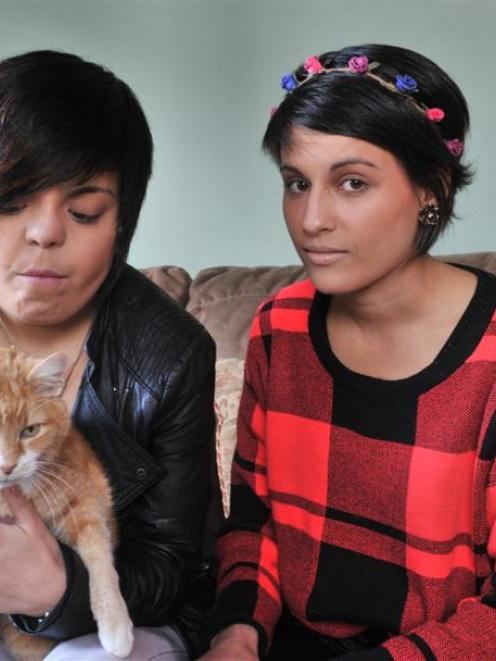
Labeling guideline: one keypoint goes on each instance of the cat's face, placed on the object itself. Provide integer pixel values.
(33, 419)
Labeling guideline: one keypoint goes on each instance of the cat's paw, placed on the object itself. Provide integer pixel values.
(117, 637)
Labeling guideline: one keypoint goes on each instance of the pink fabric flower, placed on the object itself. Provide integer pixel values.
(273, 110)
(312, 65)
(359, 64)
(455, 146)
(435, 114)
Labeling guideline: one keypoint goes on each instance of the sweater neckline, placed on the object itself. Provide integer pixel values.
(461, 343)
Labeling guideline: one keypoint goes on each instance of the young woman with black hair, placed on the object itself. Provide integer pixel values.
(75, 159)
(363, 508)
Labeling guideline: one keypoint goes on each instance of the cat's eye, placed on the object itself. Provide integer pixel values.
(30, 431)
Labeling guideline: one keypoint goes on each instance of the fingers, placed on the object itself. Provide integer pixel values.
(21, 508)
(7, 519)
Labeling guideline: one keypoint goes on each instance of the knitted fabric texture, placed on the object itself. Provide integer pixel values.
(360, 502)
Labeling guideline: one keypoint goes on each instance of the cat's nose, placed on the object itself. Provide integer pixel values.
(7, 468)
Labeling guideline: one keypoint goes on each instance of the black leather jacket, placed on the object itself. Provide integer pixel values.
(146, 405)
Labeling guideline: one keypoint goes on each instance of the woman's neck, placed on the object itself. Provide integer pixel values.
(41, 340)
(397, 327)
(404, 295)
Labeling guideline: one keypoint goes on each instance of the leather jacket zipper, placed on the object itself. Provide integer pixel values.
(122, 405)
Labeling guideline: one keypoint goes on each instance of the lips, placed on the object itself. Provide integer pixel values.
(42, 273)
(321, 256)
(45, 278)
(321, 249)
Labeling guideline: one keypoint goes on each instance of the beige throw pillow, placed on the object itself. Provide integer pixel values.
(228, 386)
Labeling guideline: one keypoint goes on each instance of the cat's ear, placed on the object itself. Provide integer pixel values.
(48, 375)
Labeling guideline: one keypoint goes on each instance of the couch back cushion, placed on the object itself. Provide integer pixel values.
(174, 280)
(225, 298)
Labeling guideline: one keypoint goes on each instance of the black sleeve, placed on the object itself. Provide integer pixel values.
(159, 550)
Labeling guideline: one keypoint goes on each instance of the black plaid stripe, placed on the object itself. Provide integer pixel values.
(346, 582)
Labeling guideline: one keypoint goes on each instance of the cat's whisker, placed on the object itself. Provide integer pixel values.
(48, 459)
(56, 475)
(39, 489)
(54, 463)
(57, 468)
(45, 486)
(66, 504)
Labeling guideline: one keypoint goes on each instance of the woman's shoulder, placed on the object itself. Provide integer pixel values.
(485, 289)
(287, 310)
(148, 308)
(149, 331)
(297, 295)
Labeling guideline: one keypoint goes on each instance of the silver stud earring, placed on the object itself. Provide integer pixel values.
(429, 215)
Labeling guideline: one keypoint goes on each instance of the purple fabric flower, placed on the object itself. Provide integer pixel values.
(405, 83)
(288, 82)
(455, 146)
(359, 64)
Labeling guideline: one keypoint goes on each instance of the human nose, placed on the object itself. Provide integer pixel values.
(45, 228)
(318, 213)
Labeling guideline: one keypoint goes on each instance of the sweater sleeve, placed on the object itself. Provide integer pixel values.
(468, 634)
(248, 580)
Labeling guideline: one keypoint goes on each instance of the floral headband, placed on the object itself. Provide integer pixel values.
(403, 84)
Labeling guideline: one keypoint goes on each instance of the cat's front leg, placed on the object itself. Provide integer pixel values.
(115, 628)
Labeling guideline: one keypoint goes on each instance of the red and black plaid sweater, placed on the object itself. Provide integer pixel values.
(360, 502)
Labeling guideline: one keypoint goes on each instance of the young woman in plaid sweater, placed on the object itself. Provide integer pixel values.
(364, 485)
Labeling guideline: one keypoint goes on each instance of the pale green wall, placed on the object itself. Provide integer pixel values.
(207, 72)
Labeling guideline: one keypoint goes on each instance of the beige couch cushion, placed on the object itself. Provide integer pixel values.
(482, 260)
(225, 298)
(172, 279)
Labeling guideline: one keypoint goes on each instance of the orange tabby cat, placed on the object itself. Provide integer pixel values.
(52, 464)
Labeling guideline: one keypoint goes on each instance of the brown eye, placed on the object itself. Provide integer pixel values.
(30, 431)
(353, 185)
(296, 185)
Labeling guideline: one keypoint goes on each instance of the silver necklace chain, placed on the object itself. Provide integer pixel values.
(14, 344)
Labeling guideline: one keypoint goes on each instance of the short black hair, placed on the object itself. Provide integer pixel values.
(63, 118)
(350, 104)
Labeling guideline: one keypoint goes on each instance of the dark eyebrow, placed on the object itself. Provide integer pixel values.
(334, 166)
(351, 161)
(87, 190)
(289, 168)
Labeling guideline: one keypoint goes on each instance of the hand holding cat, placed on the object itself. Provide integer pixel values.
(32, 576)
(238, 641)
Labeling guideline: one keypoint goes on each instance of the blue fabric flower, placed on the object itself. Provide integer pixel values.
(406, 84)
(288, 82)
